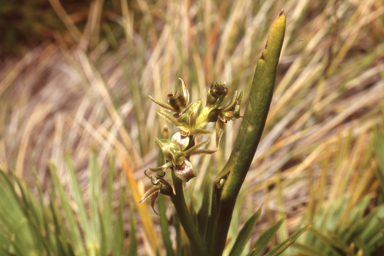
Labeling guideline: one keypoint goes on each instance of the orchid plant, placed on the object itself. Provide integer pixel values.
(208, 235)
(191, 123)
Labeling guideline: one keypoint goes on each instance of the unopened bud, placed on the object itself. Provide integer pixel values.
(216, 91)
(165, 132)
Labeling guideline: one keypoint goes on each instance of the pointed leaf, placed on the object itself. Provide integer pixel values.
(284, 245)
(203, 213)
(142, 209)
(262, 242)
(73, 226)
(132, 249)
(308, 250)
(118, 237)
(164, 226)
(251, 129)
(245, 234)
(89, 233)
(327, 241)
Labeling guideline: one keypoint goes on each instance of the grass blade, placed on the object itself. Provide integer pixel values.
(262, 242)
(132, 251)
(284, 245)
(245, 234)
(143, 209)
(164, 226)
(74, 231)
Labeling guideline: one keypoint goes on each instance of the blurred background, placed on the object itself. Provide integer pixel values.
(76, 75)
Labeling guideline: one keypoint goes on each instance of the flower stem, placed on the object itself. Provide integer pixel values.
(186, 221)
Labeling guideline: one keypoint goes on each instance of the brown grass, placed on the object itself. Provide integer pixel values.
(328, 95)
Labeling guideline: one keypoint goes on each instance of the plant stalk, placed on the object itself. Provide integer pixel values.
(186, 221)
(250, 133)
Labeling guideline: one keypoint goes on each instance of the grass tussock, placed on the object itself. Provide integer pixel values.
(318, 146)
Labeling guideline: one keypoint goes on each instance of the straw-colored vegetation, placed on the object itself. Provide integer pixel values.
(320, 159)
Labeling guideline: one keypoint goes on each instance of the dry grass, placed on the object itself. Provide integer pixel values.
(327, 101)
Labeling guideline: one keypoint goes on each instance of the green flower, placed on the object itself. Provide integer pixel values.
(228, 113)
(177, 157)
(159, 185)
(177, 102)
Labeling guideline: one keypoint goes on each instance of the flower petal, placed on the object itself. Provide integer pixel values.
(203, 151)
(185, 91)
(162, 104)
(168, 116)
(153, 191)
(162, 168)
(194, 148)
(153, 201)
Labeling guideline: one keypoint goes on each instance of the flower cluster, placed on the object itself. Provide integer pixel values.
(191, 122)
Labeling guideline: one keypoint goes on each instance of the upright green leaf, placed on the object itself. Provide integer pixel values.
(327, 241)
(132, 251)
(245, 234)
(118, 238)
(262, 242)
(284, 245)
(89, 233)
(203, 213)
(74, 231)
(95, 195)
(164, 226)
(378, 141)
(308, 250)
(250, 132)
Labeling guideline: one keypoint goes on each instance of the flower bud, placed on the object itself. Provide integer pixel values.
(177, 101)
(165, 132)
(215, 92)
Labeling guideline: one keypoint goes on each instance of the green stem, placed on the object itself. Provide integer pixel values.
(162, 211)
(186, 221)
(250, 133)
